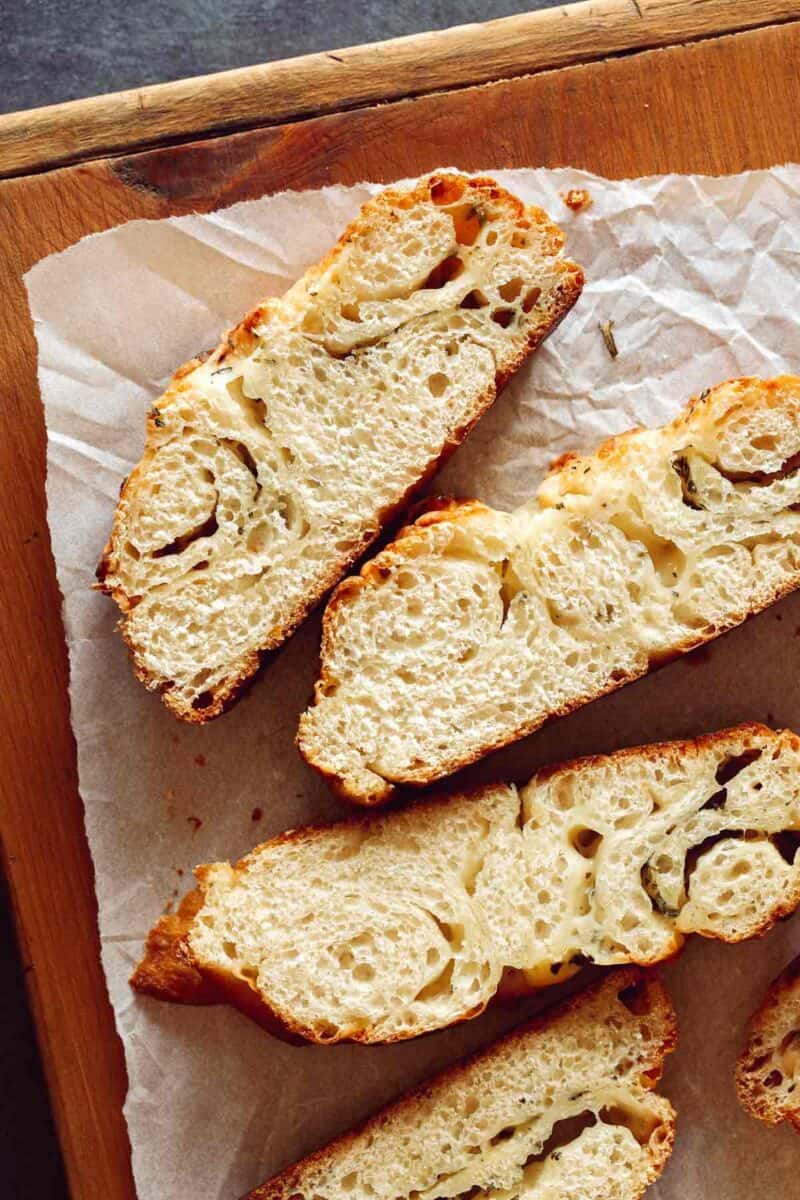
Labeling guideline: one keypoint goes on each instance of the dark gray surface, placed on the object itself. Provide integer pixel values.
(53, 50)
(30, 1164)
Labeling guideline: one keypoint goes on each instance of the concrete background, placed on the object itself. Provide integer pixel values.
(54, 50)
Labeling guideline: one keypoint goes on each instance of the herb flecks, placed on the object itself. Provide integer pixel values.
(681, 467)
(650, 885)
(156, 417)
(607, 330)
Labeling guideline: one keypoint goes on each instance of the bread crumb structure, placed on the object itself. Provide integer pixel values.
(385, 927)
(768, 1071)
(562, 1109)
(476, 626)
(272, 463)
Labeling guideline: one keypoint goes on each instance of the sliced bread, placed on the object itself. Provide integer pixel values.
(476, 626)
(768, 1070)
(561, 1109)
(272, 463)
(384, 927)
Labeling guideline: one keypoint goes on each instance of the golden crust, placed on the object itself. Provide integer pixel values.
(455, 512)
(241, 337)
(625, 980)
(169, 971)
(753, 1095)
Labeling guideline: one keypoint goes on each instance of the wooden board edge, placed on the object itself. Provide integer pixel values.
(115, 1170)
(315, 84)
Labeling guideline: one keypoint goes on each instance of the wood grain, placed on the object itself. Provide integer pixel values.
(411, 66)
(718, 105)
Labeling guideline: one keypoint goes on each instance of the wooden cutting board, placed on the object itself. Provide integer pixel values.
(621, 87)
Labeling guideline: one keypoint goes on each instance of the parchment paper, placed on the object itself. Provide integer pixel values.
(702, 279)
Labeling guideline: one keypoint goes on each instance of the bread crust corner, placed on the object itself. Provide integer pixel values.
(751, 1091)
(169, 971)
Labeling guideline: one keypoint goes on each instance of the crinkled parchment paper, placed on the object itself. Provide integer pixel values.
(702, 280)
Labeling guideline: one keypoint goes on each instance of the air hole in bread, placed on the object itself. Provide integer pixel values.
(586, 841)
(467, 222)
(350, 312)
(668, 561)
(446, 191)
(562, 1134)
(207, 529)
(787, 844)
(474, 299)
(731, 766)
(244, 455)
(503, 317)
(695, 853)
(510, 290)
(259, 538)
(313, 322)
(717, 800)
(531, 298)
(636, 998)
(290, 512)
(681, 467)
(438, 383)
(204, 700)
(640, 1122)
(441, 985)
(761, 478)
(449, 268)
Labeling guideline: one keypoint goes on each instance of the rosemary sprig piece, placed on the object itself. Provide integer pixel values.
(607, 330)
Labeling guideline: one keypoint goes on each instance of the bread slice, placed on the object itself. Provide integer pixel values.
(561, 1109)
(271, 464)
(768, 1070)
(476, 626)
(389, 926)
